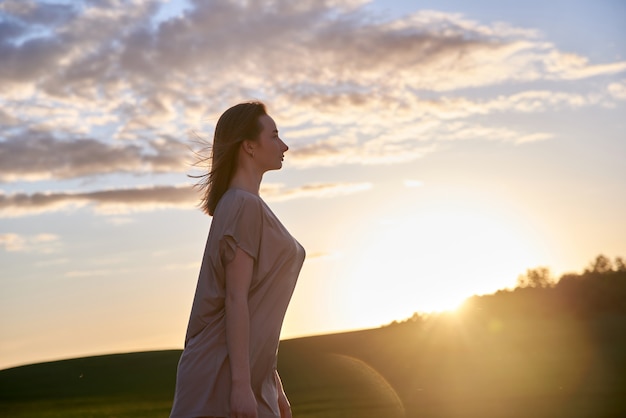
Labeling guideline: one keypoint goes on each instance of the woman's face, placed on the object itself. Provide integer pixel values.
(269, 148)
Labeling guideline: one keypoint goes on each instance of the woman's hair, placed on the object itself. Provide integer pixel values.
(238, 123)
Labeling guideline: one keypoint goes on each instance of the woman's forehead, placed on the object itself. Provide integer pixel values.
(268, 123)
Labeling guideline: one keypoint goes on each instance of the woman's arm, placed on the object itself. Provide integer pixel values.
(238, 278)
(283, 402)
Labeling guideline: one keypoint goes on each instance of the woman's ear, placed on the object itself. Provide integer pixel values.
(248, 147)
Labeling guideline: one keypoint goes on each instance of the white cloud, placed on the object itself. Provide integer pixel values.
(12, 242)
(460, 131)
(276, 192)
(182, 266)
(41, 243)
(311, 48)
(410, 183)
(85, 274)
(92, 89)
(570, 66)
(618, 90)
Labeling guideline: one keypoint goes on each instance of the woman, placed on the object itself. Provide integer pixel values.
(248, 274)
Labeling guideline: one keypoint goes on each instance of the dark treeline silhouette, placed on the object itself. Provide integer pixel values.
(599, 290)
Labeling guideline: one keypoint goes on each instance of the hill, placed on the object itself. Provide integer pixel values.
(551, 350)
(438, 367)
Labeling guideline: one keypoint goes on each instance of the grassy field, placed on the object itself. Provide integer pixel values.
(445, 366)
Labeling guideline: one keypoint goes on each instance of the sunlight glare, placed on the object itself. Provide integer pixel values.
(431, 262)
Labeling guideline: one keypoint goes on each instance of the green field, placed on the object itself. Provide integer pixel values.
(444, 366)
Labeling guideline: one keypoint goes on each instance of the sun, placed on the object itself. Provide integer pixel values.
(430, 262)
(443, 302)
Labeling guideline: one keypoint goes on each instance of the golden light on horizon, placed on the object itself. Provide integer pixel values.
(432, 262)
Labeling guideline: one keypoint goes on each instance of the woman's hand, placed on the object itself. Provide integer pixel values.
(283, 402)
(283, 405)
(242, 402)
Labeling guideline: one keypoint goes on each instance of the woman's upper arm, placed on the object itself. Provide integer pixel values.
(239, 274)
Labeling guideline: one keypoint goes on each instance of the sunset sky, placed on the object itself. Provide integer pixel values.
(438, 149)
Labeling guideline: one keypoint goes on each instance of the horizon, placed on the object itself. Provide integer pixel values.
(420, 314)
(438, 150)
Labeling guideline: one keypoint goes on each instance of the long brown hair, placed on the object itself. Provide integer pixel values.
(238, 123)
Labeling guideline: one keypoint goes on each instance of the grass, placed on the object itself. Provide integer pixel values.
(448, 366)
(121, 385)
(96, 407)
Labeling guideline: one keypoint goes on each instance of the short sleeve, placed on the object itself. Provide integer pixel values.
(242, 228)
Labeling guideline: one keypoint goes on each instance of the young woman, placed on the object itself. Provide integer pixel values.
(248, 274)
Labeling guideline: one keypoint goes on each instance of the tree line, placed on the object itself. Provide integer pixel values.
(599, 290)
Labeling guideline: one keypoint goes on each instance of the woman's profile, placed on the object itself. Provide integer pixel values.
(248, 274)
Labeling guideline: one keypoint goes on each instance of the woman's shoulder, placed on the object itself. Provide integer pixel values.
(240, 195)
(234, 199)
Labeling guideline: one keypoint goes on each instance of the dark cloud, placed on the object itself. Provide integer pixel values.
(104, 201)
(32, 12)
(30, 60)
(35, 155)
(10, 30)
(6, 120)
(141, 199)
(29, 46)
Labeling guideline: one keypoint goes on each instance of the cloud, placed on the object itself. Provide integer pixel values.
(618, 90)
(463, 131)
(114, 203)
(412, 184)
(324, 46)
(277, 193)
(529, 101)
(182, 266)
(108, 202)
(41, 243)
(375, 151)
(385, 131)
(414, 141)
(569, 66)
(101, 78)
(86, 274)
(38, 13)
(35, 156)
(12, 242)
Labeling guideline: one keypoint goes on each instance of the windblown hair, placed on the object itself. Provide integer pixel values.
(236, 124)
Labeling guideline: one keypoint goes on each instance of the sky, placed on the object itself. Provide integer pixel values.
(438, 149)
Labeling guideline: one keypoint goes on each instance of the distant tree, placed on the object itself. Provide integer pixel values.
(620, 264)
(601, 264)
(539, 277)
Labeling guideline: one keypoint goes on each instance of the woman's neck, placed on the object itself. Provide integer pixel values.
(246, 179)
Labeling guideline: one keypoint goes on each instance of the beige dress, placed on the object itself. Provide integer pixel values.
(242, 220)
